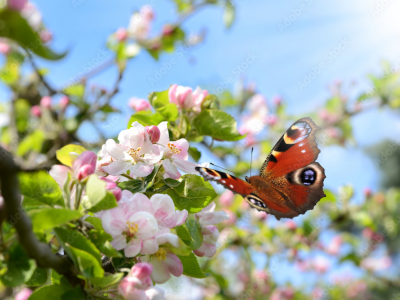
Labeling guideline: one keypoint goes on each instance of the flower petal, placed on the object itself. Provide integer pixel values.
(164, 135)
(170, 169)
(167, 237)
(186, 166)
(59, 173)
(133, 248)
(213, 217)
(119, 242)
(85, 158)
(163, 206)
(117, 167)
(155, 293)
(114, 150)
(174, 264)
(114, 221)
(182, 145)
(147, 224)
(141, 169)
(150, 246)
(176, 219)
(207, 250)
(160, 272)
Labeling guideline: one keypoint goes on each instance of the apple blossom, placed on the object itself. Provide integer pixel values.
(138, 280)
(121, 34)
(334, 246)
(24, 294)
(4, 48)
(226, 198)
(175, 154)
(139, 104)
(17, 5)
(46, 102)
(210, 237)
(135, 153)
(64, 101)
(46, 36)
(376, 264)
(164, 264)
(154, 133)
(207, 216)
(185, 97)
(35, 111)
(165, 213)
(140, 23)
(112, 187)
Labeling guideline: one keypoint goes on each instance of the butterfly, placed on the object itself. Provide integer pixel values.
(290, 181)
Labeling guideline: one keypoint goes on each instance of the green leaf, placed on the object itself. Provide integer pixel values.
(32, 142)
(38, 278)
(87, 263)
(55, 277)
(107, 280)
(18, 268)
(77, 240)
(160, 102)
(191, 266)
(67, 154)
(229, 14)
(146, 118)
(194, 153)
(134, 186)
(40, 186)
(75, 90)
(74, 294)
(22, 114)
(217, 124)
(195, 232)
(98, 198)
(183, 232)
(193, 194)
(10, 72)
(16, 28)
(53, 292)
(48, 218)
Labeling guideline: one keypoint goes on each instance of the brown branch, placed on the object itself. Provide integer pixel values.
(39, 251)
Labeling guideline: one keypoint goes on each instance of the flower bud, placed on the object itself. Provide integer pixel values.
(154, 133)
(291, 225)
(112, 187)
(180, 95)
(139, 104)
(367, 192)
(17, 5)
(45, 36)
(23, 294)
(84, 172)
(168, 29)
(64, 101)
(141, 270)
(277, 100)
(4, 48)
(46, 102)
(121, 34)
(35, 111)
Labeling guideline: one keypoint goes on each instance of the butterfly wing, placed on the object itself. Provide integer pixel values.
(230, 182)
(290, 181)
(296, 148)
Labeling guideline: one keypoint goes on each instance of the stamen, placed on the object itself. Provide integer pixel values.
(161, 254)
(133, 152)
(173, 148)
(132, 228)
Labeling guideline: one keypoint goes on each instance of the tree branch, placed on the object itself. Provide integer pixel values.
(39, 251)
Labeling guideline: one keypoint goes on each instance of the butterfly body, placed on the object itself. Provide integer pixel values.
(290, 181)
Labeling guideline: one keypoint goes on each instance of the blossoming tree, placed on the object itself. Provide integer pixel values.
(115, 219)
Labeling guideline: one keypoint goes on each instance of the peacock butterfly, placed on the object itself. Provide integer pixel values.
(290, 181)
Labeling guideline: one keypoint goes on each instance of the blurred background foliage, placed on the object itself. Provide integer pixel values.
(346, 248)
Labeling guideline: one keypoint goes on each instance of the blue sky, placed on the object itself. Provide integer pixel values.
(288, 38)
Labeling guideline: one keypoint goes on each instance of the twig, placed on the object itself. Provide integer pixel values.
(39, 251)
(36, 69)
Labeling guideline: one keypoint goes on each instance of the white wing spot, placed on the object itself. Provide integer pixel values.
(223, 181)
(231, 186)
(303, 151)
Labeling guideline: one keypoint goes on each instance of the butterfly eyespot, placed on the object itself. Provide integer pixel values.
(308, 176)
(257, 203)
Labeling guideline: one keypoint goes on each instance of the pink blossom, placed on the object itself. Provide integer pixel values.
(165, 213)
(167, 29)
(226, 198)
(140, 23)
(174, 154)
(135, 152)
(112, 187)
(83, 166)
(277, 100)
(256, 121)
(207, 216)
(321, 265)
(23, 294)
(121, 34)
(210, 237)
(4, 48)
(64, 101)
(282, 294)
(139, 104)
(17, 5)
(46, 102)
(356, 289)
(35, 111)
(290, 224)
(333, 132)
(165, 264)
(198, 98)
(334, 245)
(376, 264)
(32, 15)
(181, 96)
(367, 192)
(154, 133)
(45, 36)
(271, 120)
(317, 293)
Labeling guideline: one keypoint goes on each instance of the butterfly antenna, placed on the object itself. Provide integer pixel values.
(221, 168)
(251, 159)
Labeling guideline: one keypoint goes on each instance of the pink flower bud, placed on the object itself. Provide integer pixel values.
(121, 34)
(139, 104)
(35, 111)
(45, 36)
(277, 100)
(112, 187)
(180, 95)
(17, 5)
(147, 12)
(154, 133)
(46, 102)
(291, 225)
(4, 48)
(85, 158)
(167, 29)
(367, 192)
(272, 120)
(84, 172)
(141, 270)
(23, 294)
(64, 101)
